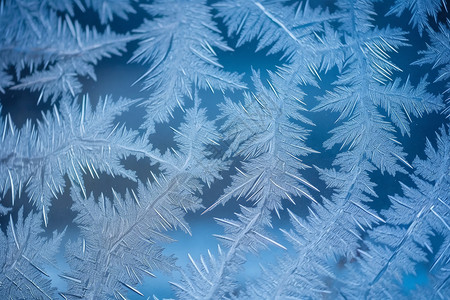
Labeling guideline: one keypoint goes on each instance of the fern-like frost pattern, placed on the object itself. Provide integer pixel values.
(293, 125)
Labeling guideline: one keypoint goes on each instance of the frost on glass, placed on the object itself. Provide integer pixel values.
(270, 149)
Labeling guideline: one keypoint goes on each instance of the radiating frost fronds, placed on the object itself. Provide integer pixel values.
(25, 257)
(366, 47)
(121, 242)
(413, 221)
(180, 45)
(295, 31)
(437, 55)
(73, 140)
(264, 130)
(67, 6)
(438, 51)
(420, 11)
(265, 117)
(331, 232)
(74, 56)
(215, 276)
(352, 242)
(195, 138)
(107, 9)
(54, 51)
(363, 88)
(5, 81)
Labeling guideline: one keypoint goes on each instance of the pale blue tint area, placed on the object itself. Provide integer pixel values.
(224, 149)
